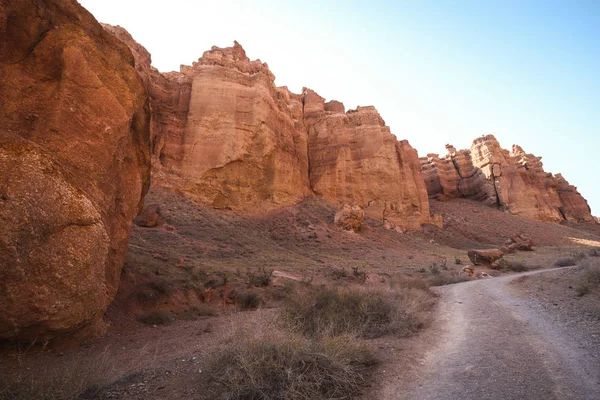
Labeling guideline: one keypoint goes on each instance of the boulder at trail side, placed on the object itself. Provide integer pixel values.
(74, 167)
(350, 217)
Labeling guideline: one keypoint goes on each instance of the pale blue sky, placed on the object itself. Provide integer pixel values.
(438, 71)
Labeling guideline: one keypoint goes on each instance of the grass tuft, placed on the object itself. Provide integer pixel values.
(287, 366)
(156, 317)
(324, 311)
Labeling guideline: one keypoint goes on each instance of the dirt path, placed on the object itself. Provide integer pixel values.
(489, 344)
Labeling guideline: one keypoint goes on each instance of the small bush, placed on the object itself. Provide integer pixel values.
(457, 260)
(247, 300)
(260, 277)
(434, 269)
(590, 280)
(359, 274)
(287, 367)
(570, 261)
(156, 317)
(331, 312)
(75, 378)
(337, 273)
(594, 252)
(517, 266)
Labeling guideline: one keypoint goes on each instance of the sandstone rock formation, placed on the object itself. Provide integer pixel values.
(350, 217)
(239, 142)
(169, 95)
(355, 159)
(74, 166)
(222, 132)
(149, 217)
(523, 187)
(455, 176)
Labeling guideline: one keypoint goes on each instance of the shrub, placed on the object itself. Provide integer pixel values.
(589, 281)
(337, 273)
(457, 260)
(594, 252)
(73, 378)
(260, 277)
(570, 261)
(287, 366)
(517, 266)
(247, 300)
(331, 312)
(155, 317)
(359, 274)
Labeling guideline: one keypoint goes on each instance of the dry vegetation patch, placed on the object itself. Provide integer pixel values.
(368, 313)
(287, 366)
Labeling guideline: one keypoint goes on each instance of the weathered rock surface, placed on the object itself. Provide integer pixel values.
(355, 159)
(485, 257)
(74, 166)
(149, 217)
(223, 134)
(523, 187)
(455, 176)
(350, 217)
(521, 242)
(169, 95)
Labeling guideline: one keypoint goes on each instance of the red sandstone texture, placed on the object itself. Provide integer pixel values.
(514, 181)
(74, 166)
(355, 159)
(524, 188)
(241, 143)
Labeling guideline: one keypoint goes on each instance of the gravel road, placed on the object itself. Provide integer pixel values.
(491, 345)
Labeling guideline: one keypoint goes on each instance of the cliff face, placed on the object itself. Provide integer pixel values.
(74, 166)
(355, 159)
(524, 188)
(224, 135)
(455, 176)
(239, 142)
(244, 146)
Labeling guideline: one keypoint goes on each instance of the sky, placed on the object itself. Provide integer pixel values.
(438, 72)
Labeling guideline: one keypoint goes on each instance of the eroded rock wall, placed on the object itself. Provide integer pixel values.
(454, 175)
(354, 158)
(74, 166)
(523, 187)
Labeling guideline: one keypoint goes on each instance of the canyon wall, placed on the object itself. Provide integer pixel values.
(355, 159)
(240, 142)
(524, 188)
(513, 181)
(74, 167)
(455, 176)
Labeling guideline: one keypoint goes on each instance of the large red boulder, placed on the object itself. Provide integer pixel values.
(74, 166)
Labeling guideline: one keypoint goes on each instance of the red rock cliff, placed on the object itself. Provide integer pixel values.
(74, 166)
(355, 159)
(524, 188)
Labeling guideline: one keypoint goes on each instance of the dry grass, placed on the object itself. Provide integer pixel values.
(286, 366)
(77, 378)
(570, 261)
(156, 317)
(323, 311)
(590, 282)
(446, 278)
(518, 266)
